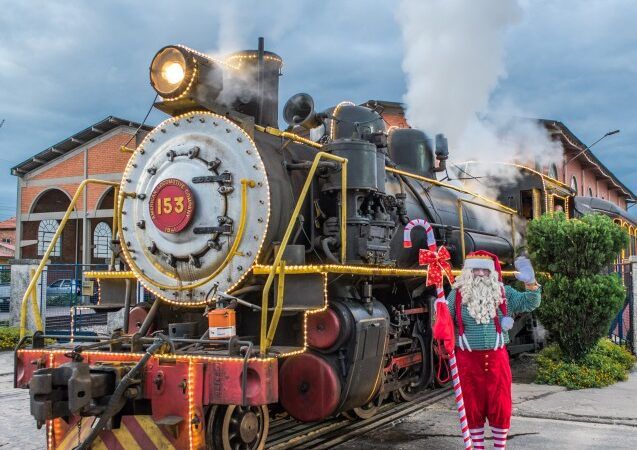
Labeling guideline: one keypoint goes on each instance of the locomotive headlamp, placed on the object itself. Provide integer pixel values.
(172, 72)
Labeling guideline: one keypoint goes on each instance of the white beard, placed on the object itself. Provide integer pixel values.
(482, 295)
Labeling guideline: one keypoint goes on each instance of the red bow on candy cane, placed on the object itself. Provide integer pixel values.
(438, 262)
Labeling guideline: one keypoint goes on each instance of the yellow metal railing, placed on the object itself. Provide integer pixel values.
(452, 187)
(288, 135)
(110, 275)
(31, 288)
(37, 317)
(504, 210)
(354, 270)
(267, 334)
(551, 203)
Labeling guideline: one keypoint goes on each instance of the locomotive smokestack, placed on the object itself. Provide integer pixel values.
(262, 69)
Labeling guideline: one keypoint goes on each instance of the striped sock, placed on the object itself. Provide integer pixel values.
(477, 436)
(499, 437)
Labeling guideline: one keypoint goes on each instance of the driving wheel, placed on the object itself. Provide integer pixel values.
(234, 427)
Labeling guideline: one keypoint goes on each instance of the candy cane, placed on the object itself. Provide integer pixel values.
(441, 302)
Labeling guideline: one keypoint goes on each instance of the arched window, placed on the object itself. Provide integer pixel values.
(46, 230)
(574, 184)
(553, 171)
(590, 192)
(102, 241)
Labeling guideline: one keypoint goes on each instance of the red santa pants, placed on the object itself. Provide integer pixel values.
(485, 377)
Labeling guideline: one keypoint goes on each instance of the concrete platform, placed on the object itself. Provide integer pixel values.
(544, 417)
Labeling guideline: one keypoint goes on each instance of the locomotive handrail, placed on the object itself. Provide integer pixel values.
(38, 272)
(267, 334)
(461, 220)
(245, 184)
(287, 135)
(354, 270)
(551, 203)
(35, 310)
(499, 205)
(521, 166)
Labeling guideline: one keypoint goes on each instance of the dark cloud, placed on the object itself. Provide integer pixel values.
(67, 64)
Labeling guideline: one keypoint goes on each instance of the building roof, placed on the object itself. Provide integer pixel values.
(7, 246)
(71, 143)
(7, 250)
(575, 142)
(8, 224)
(585, 205)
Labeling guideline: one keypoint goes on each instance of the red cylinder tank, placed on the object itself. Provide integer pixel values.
(309, 387)
(323, 329)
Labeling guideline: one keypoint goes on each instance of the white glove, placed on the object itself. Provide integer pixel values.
(526, 274)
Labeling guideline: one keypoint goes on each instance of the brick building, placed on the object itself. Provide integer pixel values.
(48, 181)
(583, 172)
(7, 240)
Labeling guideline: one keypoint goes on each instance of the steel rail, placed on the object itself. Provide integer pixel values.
(290, 434)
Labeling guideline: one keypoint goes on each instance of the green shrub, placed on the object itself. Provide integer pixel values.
(578, 311)
(9, 337)
(62, 300)
(578, 302)
(575, 247)
(604, 365)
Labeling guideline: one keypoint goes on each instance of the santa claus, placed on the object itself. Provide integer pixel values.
(480, 306)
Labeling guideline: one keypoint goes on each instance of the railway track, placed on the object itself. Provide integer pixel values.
(290, 434)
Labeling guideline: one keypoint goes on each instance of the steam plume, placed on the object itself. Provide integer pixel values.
(453, 60)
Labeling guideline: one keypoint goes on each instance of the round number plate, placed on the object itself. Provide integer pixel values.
(171, 205)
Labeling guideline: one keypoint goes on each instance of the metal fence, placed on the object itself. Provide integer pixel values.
(622, 326)
(66, 297)
(5, 288)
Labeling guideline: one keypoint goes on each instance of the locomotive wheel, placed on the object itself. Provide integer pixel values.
(368, 410)
(233, 427)
(408, 393)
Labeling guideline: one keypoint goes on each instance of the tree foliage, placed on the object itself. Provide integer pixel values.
(577, 311)
(576, 247)
(578, 301)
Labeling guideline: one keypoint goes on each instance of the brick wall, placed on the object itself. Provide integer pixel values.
(588, 179)
(104, 158)
(71, 242)
(7, 235)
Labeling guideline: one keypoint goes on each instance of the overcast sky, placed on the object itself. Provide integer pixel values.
(65, 64)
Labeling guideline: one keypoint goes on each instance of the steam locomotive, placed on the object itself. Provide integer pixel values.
(277, 263)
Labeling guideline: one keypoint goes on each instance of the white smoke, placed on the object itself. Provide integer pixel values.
(240, 24)
(453, 60)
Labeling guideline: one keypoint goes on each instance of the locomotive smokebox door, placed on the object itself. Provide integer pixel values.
(195, 207)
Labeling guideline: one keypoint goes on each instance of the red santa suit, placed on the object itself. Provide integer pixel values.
(482, 359)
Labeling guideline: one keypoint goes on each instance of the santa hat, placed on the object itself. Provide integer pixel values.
(482, 259)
